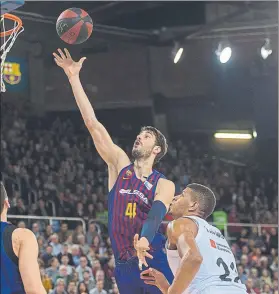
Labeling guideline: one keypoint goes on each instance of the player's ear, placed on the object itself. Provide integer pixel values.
(157, 149)
(194, 205)
(7, 203)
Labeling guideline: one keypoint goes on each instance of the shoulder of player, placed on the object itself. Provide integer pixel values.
(182, 226)
(166, 185)
(21, 235)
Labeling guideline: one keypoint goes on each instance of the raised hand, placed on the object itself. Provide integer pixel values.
(65, 61)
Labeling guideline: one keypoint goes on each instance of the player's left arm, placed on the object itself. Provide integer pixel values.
(164, 195)
(189, 253)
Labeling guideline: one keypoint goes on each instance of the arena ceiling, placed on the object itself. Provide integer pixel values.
(150, 22)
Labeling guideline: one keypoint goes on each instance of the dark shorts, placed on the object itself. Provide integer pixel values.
(127, 274)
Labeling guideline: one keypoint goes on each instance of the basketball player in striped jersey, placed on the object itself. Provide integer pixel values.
(139, 196)
(18, 253)
(198, 254)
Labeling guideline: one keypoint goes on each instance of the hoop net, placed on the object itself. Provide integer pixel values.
(8, 38)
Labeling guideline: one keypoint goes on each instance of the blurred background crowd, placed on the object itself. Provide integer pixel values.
(50, 168)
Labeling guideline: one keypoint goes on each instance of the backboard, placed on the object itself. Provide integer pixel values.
(7, 6)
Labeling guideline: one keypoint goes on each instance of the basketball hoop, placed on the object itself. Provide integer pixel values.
(8, 39)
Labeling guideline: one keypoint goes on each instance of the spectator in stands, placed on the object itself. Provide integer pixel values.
(21, 224)
(82, 245)
(254, 275)
(65, 251)
(242, 274)
(88, 280)
(41, 244)
(76, 254)
(48, 232)
(46, 281)
(100, 276)
(99, 288)
(96, 266)
(265, 278)
(59, 287)
(57, 247)
(20, 208)
(42, 210)
(64, 232)
(63, 274)
(273, 242)
(53, 270)
(78, 230)
(83, 267)
(48, 255)
(72, 288)
(274, 265)
(36, 229)
(65, 261)
(82, 289)
(69, 240)
(250, 287)
(91, 233)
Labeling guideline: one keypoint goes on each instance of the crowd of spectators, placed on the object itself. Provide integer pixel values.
(50, 167)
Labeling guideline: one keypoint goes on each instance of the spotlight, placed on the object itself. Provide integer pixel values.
(177, 52)
(266, 49)
(224, 52)
(255, 134)
(230, 135)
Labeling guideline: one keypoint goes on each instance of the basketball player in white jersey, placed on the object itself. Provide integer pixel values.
(198, 254)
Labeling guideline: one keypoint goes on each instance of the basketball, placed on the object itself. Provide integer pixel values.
(74, 26)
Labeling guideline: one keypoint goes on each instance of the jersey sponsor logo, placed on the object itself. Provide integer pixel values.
(134, 192)
(148, 185)
(212, 243)
(219, 246)
(128, 175)
(214, 232)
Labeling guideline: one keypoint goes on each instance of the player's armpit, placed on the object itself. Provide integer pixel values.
(28, 264)
(165, 192)
(110, 152)
(191, 261)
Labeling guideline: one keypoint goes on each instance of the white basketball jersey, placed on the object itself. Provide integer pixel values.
(218, 272)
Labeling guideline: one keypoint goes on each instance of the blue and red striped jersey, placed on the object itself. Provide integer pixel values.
(129, 202)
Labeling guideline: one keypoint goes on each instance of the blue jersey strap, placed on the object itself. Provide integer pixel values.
(153, 221)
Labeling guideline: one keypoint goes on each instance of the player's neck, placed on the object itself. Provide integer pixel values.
(143, 167)
(4, 218)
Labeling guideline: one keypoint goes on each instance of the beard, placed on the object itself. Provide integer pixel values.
(140, 154)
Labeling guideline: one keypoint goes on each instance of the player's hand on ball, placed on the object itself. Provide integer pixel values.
(141, 247)
(155, 278)
(65, 61)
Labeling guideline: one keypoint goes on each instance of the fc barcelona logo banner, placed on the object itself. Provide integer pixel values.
(15, 74)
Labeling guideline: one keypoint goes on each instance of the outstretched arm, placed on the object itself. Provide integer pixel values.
(111, 153)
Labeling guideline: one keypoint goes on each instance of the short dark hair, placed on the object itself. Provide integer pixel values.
(160, 140)
(3, 196)
(205, 198)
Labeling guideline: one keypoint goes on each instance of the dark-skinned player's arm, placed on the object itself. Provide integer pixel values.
(110, 152)
(28, 261)
(164, 195)
(191, 259)
(182, 233)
